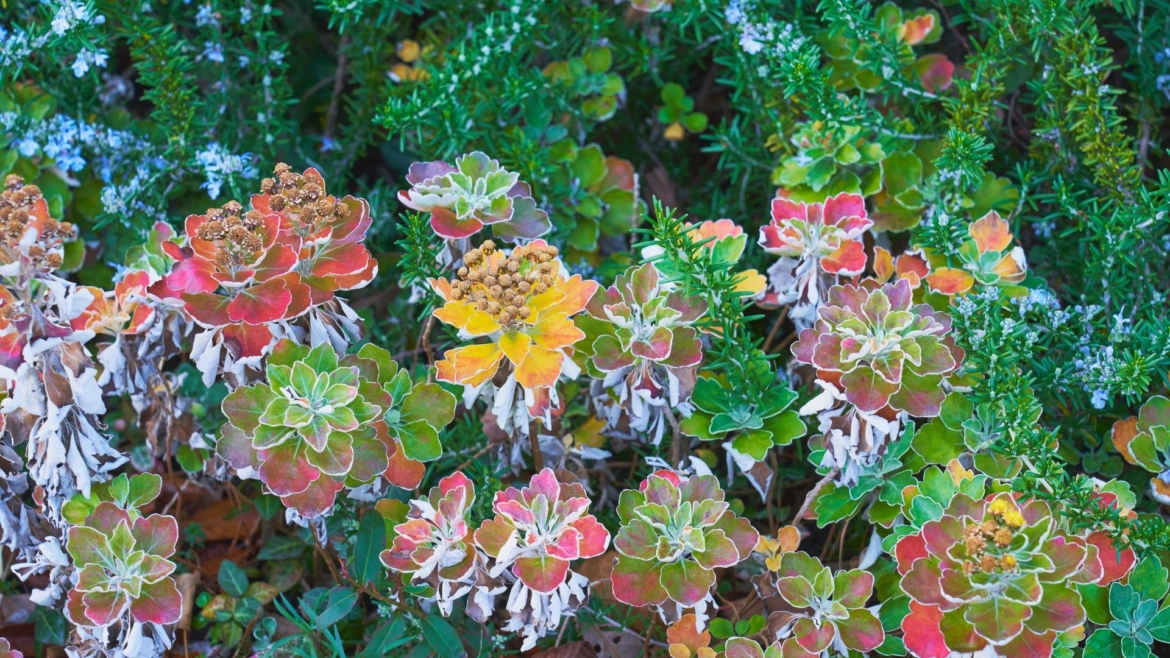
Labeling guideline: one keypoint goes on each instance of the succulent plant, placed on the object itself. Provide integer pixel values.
(678, 113)
(675, 533)
(984, 259)
(121, 560)
(854, 62)
(435, 545)
(536, 533)
(996, 573)
(1144, 440)
(873, 344)
(604, 199)
(319, 424)
(815, 241)
(642, 344)
(331, 231)
(827, 609)
(1132, 617)
(474, 193)
(590, 79)
(822, 154)
(754, 418)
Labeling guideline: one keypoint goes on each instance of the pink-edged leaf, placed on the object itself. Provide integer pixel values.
(861, 630)
(208, 309)
(1059, 609)
(848, 260)
(811, 637)
(160, 603)
(446, 225)
(719, 551)
(316, 499)
(286, 469)
(594, 536)
(637, 582)
(852, 588)
(542, 573)
(907, 550)
(686, 582)
(656, 347)
(493, 534)
(920, 631)
(266, 302)
(156, 534)
(997, 618)
(104, 608)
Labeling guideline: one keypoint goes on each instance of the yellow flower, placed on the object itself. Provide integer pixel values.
(522, 304)
(1007, 509)
(675, 132)
(787, 540)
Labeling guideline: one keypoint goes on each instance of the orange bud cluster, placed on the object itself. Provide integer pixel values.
(18, 202)
(302, 199)
(236, 234)
(503, 287)
(984, 540)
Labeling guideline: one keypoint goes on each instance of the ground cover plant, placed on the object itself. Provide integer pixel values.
(687, 328)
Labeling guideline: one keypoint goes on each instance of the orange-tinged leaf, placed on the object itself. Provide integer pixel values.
(991, 233)
(556, 331)
(1124, 431)
(883, 264)
(577, 293)
(540, 368)
(950, 281)
(1012, 267)
(751, 282)
(541, 303)
(515, 345)
(467, 317)
(913, 31)
(442, 288)
(470, 365)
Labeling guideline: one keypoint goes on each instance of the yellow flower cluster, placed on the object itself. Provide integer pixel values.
(992, 536)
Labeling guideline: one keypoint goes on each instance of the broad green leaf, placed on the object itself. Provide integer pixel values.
(232, 579)
(371, 540)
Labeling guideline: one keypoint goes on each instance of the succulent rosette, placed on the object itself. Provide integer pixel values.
(675, 533)
(474, 193)
(522, 303)
(435, 545)
(985, 259)
(1144, 440)
(642, 344)
(605, 195)
(814, 241)
(997, 573)
(827, 610)
(320, 424)
(871, 342)
(234, 273)
(536, 534)
(121, 559)
(331, 231)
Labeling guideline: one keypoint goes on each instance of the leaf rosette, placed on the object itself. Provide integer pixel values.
(475, 193)
(320, 424)
(872, 342)
(675, 533)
